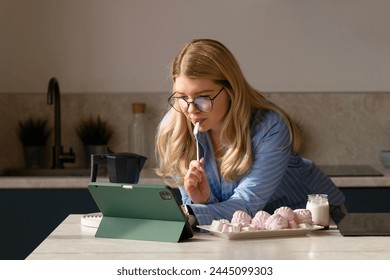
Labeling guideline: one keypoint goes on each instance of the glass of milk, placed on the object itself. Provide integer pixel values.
(319, 208)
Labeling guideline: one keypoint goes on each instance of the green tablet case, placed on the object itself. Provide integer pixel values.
(139, 212)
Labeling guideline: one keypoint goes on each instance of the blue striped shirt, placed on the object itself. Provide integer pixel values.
(276, 178)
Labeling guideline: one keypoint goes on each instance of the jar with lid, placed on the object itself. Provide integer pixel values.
(137, 135)
(319, 207)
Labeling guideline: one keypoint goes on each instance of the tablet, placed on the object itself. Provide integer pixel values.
(139, 212)
(365, 224)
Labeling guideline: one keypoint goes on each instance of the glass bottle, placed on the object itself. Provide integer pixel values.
(137, 135)
(319, 207)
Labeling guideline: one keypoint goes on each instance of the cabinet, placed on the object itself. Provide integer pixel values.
(28, 216)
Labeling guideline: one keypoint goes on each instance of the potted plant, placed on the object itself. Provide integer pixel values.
(33, 134)
(385, 158)
(95, 134)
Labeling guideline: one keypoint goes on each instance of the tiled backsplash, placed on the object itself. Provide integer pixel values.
(338, 128)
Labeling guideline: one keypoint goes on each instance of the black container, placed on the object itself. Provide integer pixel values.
(122, 167)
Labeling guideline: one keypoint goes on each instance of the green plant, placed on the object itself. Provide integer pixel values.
(33, 131)
(94, 131)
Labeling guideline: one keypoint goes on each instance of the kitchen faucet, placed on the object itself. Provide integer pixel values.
(59, 157)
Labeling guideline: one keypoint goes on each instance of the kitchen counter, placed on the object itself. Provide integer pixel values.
(72, 241)
(149, 177)
(26, 201)
(356, 182)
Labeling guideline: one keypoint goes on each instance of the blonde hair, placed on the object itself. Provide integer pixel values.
(175, 145)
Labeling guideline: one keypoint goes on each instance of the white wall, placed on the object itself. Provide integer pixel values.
(127, 46)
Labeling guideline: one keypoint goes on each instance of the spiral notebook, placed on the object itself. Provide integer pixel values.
(139, 212)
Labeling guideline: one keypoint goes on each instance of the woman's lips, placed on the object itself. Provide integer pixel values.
(194, 121)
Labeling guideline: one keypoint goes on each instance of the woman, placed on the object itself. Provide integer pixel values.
(248, 145)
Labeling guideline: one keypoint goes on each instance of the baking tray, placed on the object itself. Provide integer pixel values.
(263, 233)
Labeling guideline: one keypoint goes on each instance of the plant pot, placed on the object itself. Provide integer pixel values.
(93, 150)
(34, 156)
(385, 158)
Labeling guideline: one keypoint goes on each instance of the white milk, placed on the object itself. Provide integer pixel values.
(319, 208)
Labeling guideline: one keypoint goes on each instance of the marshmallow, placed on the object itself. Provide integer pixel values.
(303, 216)
(241, 217)
(285, 212)
(276, 221)
(259, 219)
(216, 225)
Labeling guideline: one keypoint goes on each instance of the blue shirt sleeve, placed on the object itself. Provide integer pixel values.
(271, 153)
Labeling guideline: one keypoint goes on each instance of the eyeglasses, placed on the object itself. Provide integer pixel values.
(202, 103)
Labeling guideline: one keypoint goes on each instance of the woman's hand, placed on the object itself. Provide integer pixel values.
(195, 182)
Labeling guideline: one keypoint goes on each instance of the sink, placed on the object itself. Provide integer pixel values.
(48, 172)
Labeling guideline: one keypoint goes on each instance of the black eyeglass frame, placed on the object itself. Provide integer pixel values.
(193, 102)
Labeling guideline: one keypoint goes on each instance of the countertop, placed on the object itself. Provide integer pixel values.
(149, 177)
(71, 240)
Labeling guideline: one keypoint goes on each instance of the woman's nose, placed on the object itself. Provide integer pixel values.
(192, 108)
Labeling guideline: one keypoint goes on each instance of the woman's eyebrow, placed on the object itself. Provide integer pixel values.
(198, 93)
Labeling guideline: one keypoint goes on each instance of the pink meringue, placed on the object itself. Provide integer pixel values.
(303, 216)
(285, 212)
(276, 221)
(292, 224)
(241, 217)
(260, 219)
